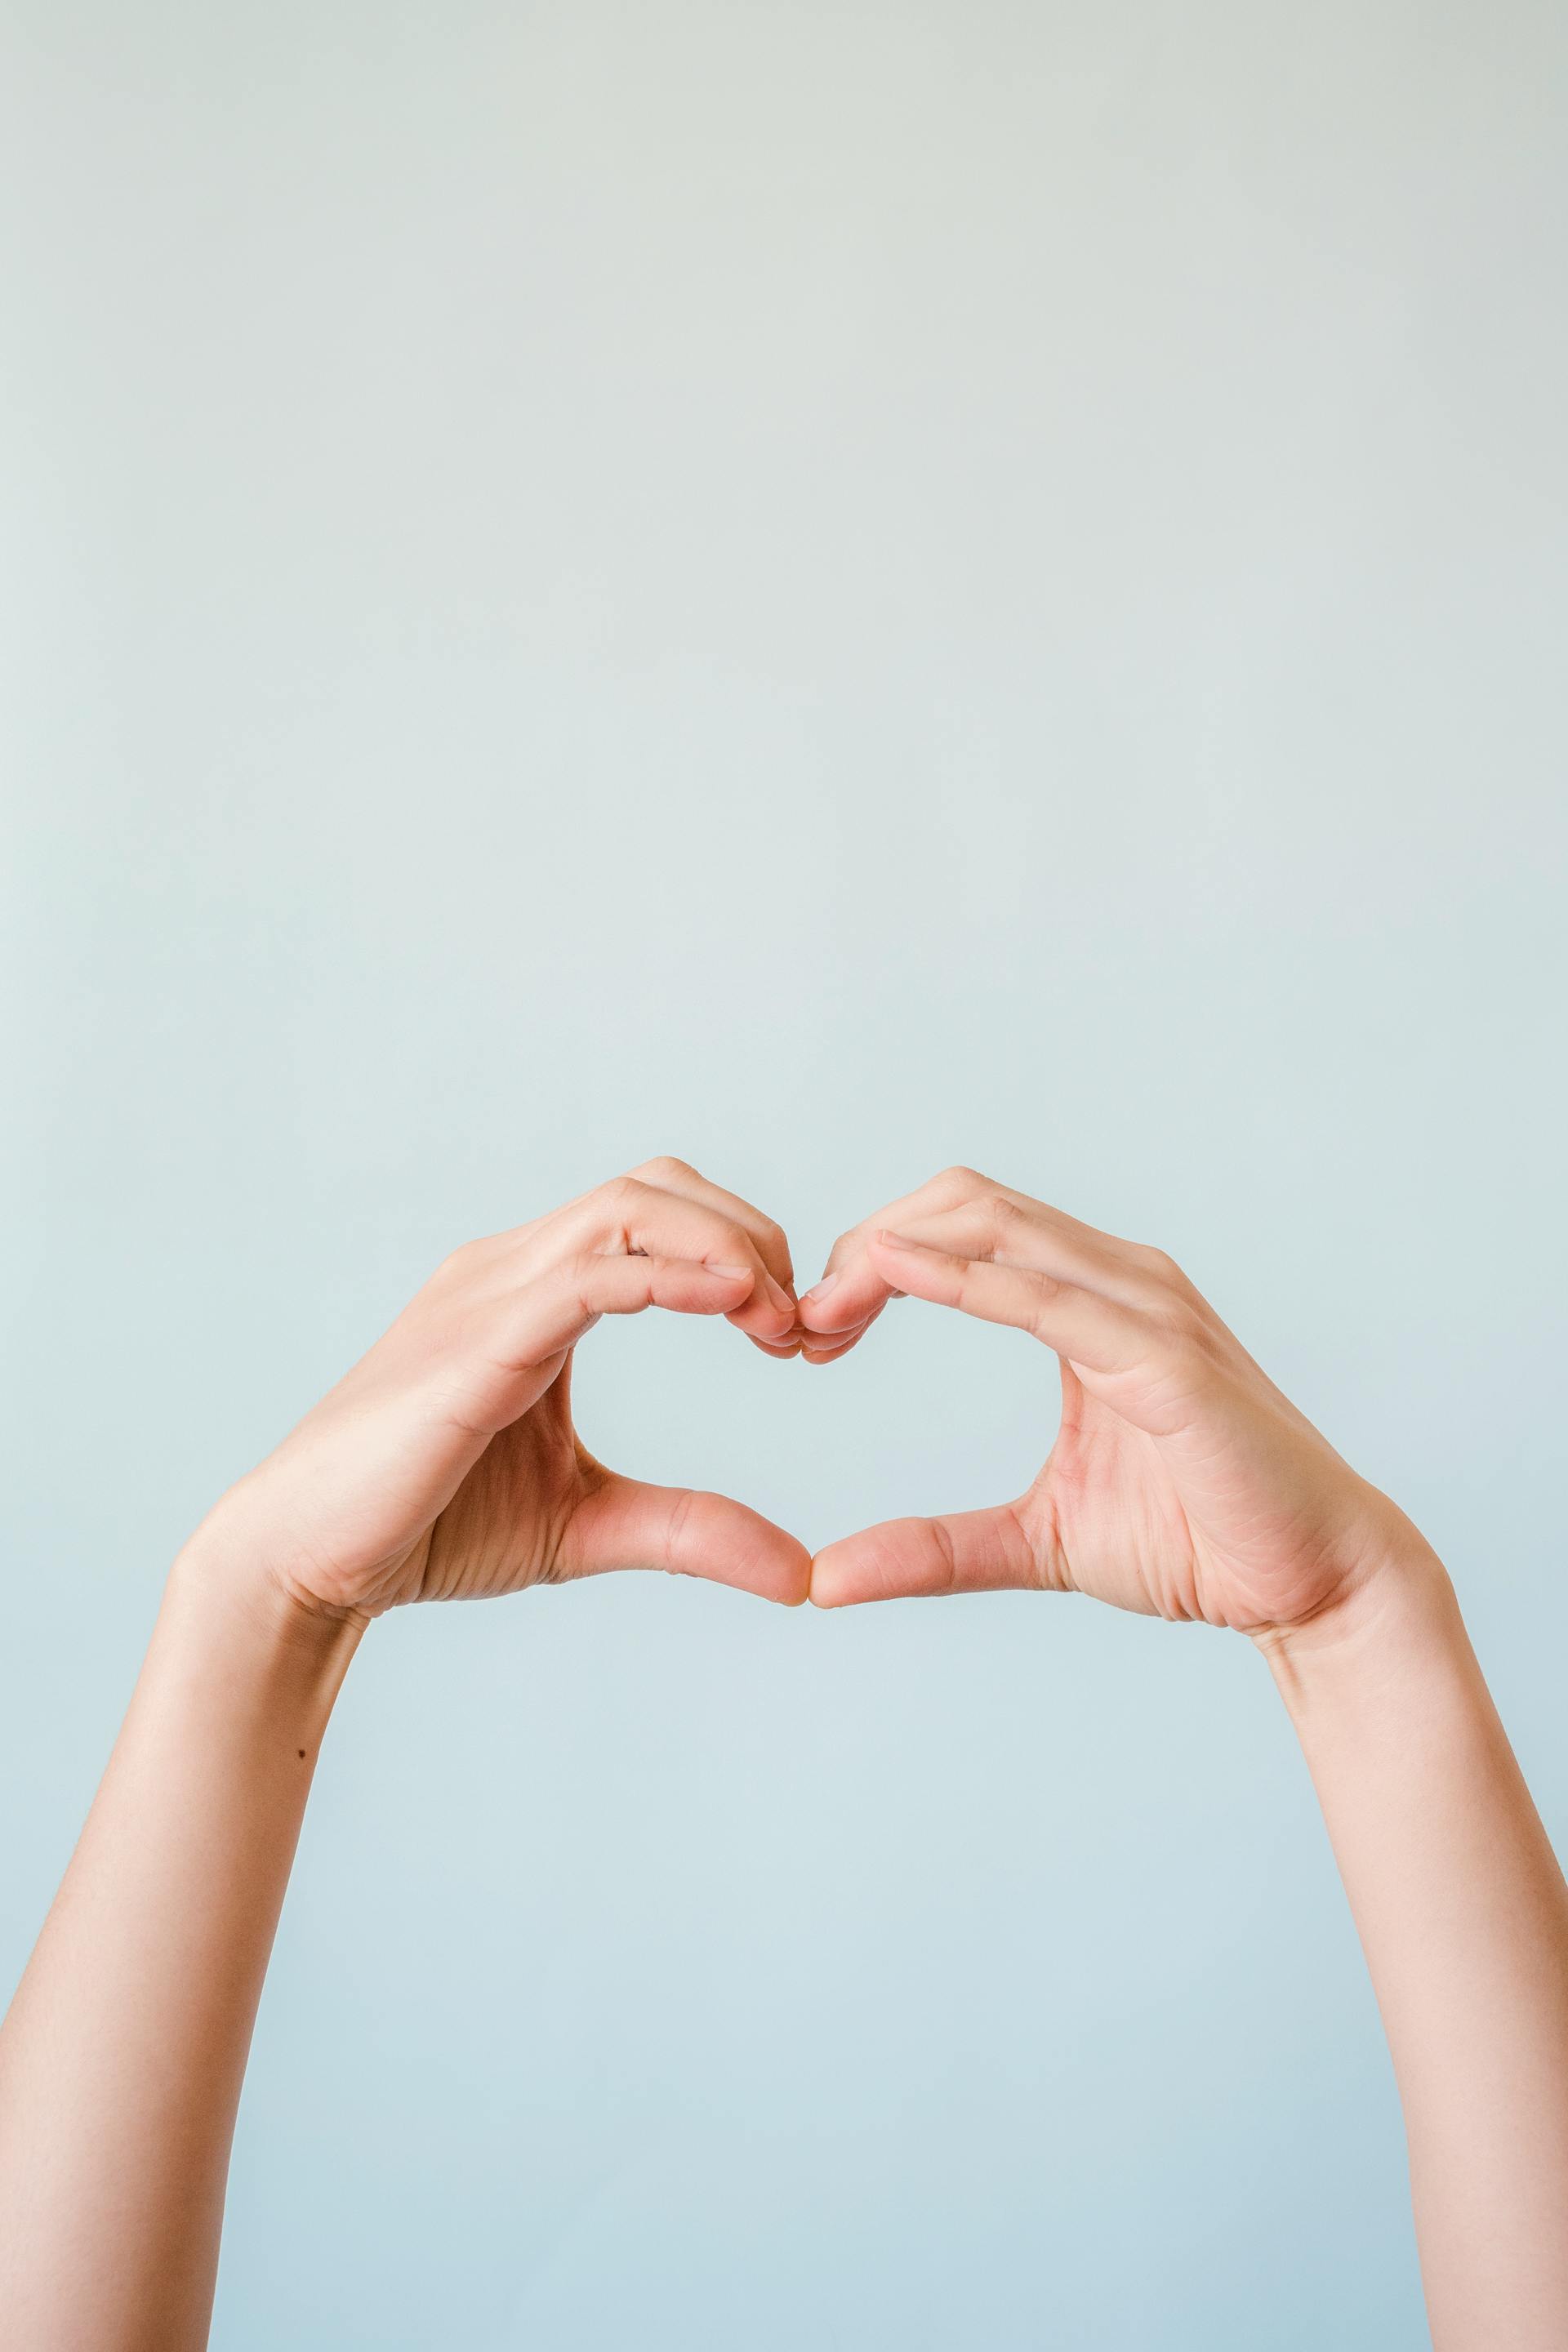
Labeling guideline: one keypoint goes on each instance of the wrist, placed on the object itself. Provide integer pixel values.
(1402, 1609)
(233, 1618)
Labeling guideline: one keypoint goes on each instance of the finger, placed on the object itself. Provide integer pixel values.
(846, 1295)
(826, 1348)
(545, 1317)
(790, 1345)
(679, 1176)
(630, 1216)
(847, 1300)
(1013, 1230)
(1033, 1233)
(1081, 1325)
(967, 1552)
(625, 1524)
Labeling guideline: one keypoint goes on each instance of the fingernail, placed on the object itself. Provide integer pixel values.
(819, 1289)
(783, 1300)
(732, 1273)
(895, 1241)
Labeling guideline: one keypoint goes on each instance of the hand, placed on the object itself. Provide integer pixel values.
(445, 1465)
(1182, 1483)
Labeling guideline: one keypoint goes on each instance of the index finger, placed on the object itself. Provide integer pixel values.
(854, 1286)
(677, 1176)
(849, 1294)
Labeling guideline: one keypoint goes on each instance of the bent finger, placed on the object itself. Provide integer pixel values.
(975, 1216)
(545, 1317)
(1079, 1324)
(633, 1218)
(679, 1176)
(848, 1293)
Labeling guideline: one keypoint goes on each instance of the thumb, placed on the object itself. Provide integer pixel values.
(625, 1524)
(967, 1552)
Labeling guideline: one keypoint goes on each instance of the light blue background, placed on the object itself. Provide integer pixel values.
(827, 589)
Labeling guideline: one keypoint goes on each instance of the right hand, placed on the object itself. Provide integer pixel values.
(446, 1466)
(1182, 1484)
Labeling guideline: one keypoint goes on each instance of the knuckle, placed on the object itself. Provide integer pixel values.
(674, 1527)
(664, 1166)
(1182, 1327)
(942, 1547)
(1046, 1292)
(774, 1251)
(1173, 1276)
(1156, 1260)
(962, 1179)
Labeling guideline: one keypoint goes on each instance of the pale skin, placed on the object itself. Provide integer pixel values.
(1181, 1483)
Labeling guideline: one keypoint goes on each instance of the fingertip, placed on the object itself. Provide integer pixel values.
(823, 1302)
(824, 1591)
(827, 1346)
(787, 1344)
(797, 1590)
(769, 1304)
(848, 1312)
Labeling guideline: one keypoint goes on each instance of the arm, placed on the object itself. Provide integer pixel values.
(1183, 1484)
(1463, 1916)
(445, 1464)
(121, 2058)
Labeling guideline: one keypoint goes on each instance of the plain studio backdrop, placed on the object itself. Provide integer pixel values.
(829, 588)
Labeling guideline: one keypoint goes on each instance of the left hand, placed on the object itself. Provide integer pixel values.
(1182, 1484)
(446, 1464)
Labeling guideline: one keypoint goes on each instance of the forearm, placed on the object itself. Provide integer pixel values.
(1463, 1916)
(122, 2056)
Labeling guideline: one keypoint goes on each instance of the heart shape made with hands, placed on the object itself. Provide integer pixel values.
(946, 1229)
(446, 1463)
(960, 1240)
(1106, 1512)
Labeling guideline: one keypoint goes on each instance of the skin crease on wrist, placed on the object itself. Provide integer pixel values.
(447, 1464)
